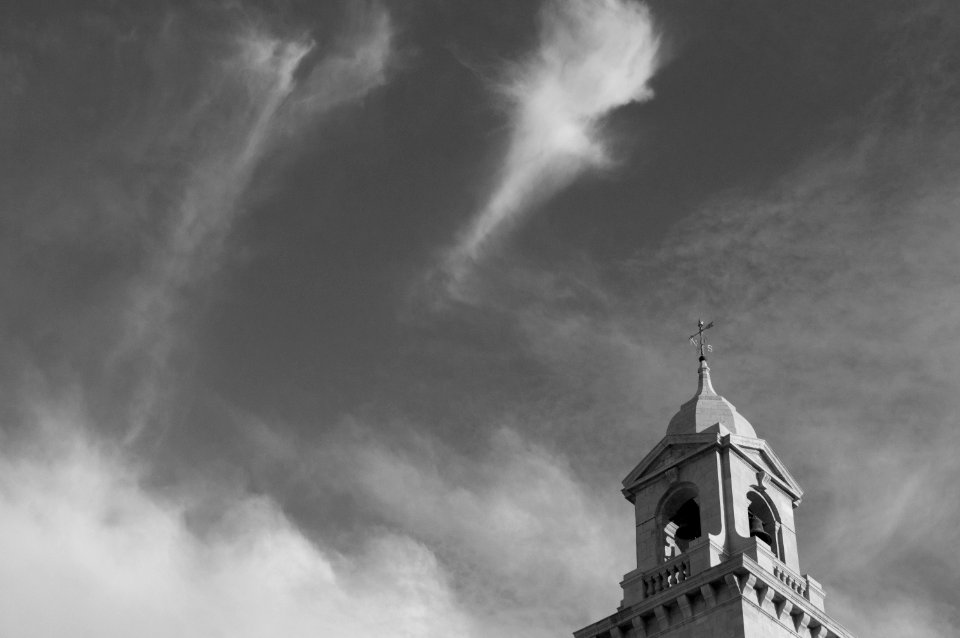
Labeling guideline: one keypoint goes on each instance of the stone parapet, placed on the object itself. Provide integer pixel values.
(763, 596)
(639, 585)
(805, 585)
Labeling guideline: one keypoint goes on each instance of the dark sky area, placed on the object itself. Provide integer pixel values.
(345, 317)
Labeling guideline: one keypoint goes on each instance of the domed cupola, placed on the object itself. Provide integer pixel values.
(707, 411)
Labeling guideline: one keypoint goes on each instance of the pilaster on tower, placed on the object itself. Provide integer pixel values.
(716, 544)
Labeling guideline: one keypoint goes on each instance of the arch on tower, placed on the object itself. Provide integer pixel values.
(764, 522)
(678, 519)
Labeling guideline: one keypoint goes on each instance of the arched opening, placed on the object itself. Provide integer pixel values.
(680, 520)
(763, 523)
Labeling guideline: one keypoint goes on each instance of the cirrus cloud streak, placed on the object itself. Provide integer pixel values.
(592, 57)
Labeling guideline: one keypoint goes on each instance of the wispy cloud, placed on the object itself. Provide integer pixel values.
(262, 90)
(110, 555)
(592, 57)
(91, 552)
(505, 519)
(458, 543)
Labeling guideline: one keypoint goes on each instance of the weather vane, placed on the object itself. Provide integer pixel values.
(696, 339)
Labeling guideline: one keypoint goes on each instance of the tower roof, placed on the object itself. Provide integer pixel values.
(708, 411)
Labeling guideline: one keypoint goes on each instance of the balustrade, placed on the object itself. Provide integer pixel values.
(794, 581)
(666, 576)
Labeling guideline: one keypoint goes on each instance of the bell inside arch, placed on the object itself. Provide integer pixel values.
(687, 519)
(756, 529)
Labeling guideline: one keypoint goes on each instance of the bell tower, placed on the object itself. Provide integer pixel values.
(717, 548)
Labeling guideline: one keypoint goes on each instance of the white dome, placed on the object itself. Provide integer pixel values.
(708, 411)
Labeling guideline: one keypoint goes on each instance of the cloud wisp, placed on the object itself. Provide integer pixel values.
(503, 520)
(257, 93)
(592, 57)
(110, 558)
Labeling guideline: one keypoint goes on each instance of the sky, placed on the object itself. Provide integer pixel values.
(343, 318)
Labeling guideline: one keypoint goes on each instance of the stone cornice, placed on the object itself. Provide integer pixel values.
(703, 442)
(786, 483)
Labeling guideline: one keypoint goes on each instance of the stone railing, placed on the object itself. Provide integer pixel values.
(794, 581)
(666, 576)
(761, 553)
(685, 607)
(701, 555)
(804, 586)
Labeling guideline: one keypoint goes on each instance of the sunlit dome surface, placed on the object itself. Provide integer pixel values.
(707, 411)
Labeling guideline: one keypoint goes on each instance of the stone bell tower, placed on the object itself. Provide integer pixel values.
(716, 542)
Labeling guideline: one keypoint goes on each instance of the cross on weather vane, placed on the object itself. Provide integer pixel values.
(696, 339)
